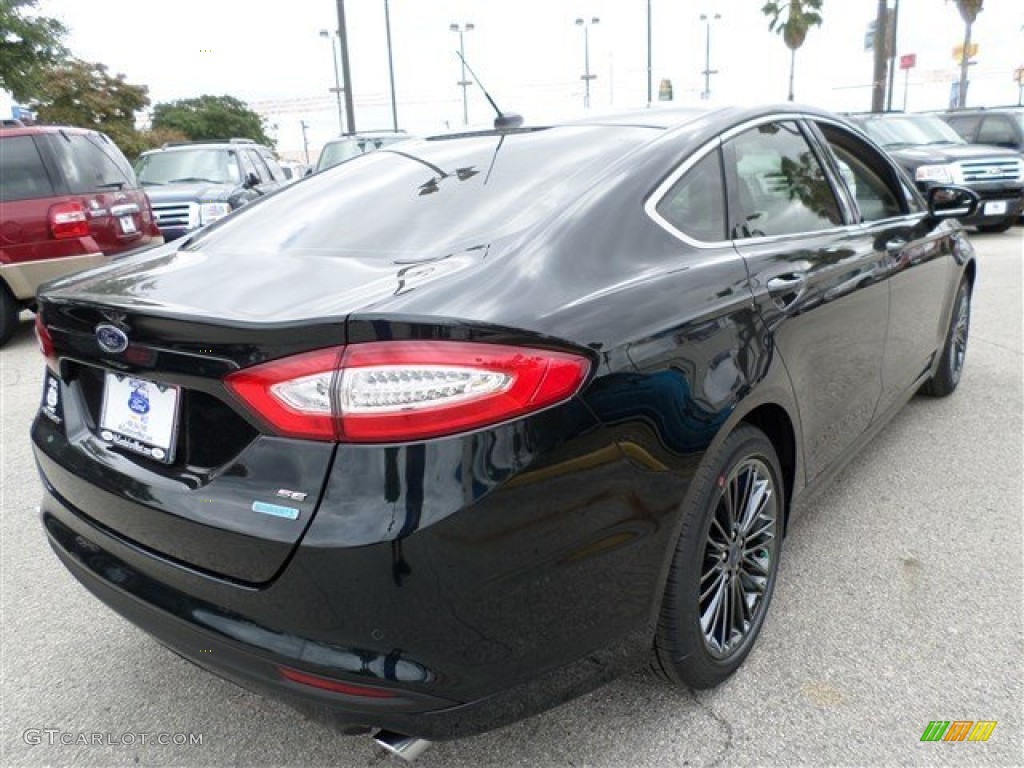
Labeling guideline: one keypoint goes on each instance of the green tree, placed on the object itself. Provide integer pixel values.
(792, 19)
(28, 43)
(211, 117)
(85, 94)
(969, 10)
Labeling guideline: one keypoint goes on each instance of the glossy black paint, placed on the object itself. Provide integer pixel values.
(482, 577)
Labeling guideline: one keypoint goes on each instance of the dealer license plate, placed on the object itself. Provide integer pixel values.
(139, 415)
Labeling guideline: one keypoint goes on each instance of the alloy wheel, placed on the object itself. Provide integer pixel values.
(739, 560)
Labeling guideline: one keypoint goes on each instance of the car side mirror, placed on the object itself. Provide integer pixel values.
(251, 180)
(948, 201)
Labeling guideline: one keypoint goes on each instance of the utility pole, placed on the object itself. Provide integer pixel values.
(305, 140)
(346, 73)
(878, 81)
(391, 67)
(650, 81)
(892, 35)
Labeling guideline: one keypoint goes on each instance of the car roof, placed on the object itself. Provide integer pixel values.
(33, 130)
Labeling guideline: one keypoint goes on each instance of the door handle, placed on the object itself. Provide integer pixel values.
(786, 283)
(786, 289)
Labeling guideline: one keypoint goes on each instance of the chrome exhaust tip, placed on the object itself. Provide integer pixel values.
(408, 748)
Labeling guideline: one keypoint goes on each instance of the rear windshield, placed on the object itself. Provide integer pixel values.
(429, 197)
(178, 166)
(339, 151)
(91, 163)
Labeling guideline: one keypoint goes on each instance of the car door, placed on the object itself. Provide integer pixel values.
(817, 279)
(917, 258)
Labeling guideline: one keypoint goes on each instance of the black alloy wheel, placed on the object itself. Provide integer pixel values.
(725, 564)
(954, 352)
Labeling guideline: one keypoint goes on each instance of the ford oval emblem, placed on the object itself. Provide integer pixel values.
(111, 338)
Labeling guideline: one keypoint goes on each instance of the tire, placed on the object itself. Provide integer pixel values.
(9, 311)
(954, 351)
(701, 654)
(996, 228)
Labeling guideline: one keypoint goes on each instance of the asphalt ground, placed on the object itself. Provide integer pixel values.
(899, 602)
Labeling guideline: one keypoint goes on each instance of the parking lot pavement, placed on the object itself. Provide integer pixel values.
(898, 603)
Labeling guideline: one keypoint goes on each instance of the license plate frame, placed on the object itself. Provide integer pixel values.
(140, 415)
(127, 223)
(994, 208)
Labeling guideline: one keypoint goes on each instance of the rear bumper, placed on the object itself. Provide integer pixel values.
(542, 586)
(251, 655)
(25, 277)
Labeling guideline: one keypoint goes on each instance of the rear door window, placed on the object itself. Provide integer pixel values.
(276, 171)
(91, 164)
(22, 171)
(779, 185)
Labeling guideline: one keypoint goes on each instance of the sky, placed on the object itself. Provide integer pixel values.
(529, 54)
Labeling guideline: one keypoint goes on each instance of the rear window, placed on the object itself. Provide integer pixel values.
(429, 197)
(91, 163)
(22, 175)
(336, 152)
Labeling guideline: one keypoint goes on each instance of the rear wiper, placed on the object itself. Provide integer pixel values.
(195, 178)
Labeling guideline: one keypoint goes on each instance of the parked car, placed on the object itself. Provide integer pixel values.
(453, 433)
(192, 184)
(995, 126)
(293, 171)
(352, 145)
(933, 153)
(69, 200)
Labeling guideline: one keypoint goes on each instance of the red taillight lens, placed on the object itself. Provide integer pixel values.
(327, 684)
(45, 343)
(406, 390)
(68, 220)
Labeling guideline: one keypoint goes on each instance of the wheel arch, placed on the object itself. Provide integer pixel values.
(774, 421)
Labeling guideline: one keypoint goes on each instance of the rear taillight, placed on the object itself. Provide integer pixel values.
(405, 390)
(68, 220)
(46, 343)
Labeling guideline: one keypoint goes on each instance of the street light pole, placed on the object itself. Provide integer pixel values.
(468, 27)
(708, 71)
(337, 79)
(391, 67)
(346, 73)
(587, 77)
(650, 80)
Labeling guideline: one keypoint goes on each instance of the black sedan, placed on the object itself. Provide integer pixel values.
(464, 427)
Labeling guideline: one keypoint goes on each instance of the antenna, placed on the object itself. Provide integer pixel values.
(503, 121)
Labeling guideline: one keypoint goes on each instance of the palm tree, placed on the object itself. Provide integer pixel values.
(792, 19)
(969, 10)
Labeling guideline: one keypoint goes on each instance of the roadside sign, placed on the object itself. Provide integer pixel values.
(958, 52)
(908, 61)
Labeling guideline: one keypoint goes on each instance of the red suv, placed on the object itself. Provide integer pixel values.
(68, 200)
